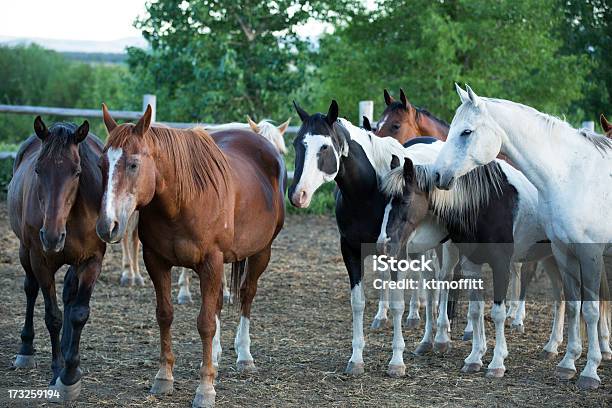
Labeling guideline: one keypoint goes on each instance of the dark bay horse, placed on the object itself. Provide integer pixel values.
(53, 200)
(203, 201)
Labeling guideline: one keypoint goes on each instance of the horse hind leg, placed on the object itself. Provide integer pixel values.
(25, 358)
(255, 266)
(550, 349)
(228, 297)
(604, 312)
(127, 274)
(184, 295)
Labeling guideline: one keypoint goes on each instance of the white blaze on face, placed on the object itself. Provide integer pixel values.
(113, 154)
(382, 121)
(312, 177)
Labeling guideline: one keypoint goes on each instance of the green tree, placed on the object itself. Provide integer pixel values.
(588, 32)
(507, 49)
(217, 60)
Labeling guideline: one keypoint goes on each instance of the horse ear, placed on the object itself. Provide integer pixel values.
(332, 113)
(81, 132)
(283, 127)
(388, 98)
(366, 124)
(252, 124)
(109, 122)
(408, 170)
(404, 99)
(40, 128)
(394, 162)
(301, 112)
(462, 94)
(605, 125)
(472, 95)
(144, 123)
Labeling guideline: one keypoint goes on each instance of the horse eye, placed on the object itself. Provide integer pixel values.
(77, 173)
(324, 147)
(466, 132)
(133, 166)
(36, 170)
(396, 126)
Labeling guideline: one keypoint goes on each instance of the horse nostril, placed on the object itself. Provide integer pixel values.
(437, 178)
(41, 233)
(62, 236)
(114, 228)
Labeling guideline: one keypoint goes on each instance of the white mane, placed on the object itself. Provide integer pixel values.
(380, 150)
(461, 204)
(266, 129)
(553, 125)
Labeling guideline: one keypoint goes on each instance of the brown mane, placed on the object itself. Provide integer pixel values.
(197, 160)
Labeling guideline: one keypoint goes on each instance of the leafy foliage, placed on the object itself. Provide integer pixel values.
(508, 49)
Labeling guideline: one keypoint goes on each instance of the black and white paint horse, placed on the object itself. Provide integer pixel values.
(331, 149)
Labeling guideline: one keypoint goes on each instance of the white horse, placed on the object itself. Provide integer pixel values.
(273, 134)
(572, 171)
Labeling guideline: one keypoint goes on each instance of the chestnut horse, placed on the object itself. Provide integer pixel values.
(203, 202)
(53, 201)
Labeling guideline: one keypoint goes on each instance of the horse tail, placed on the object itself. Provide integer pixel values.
(238, 272)
(453, 295)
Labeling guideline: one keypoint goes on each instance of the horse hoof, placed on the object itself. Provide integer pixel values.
(547, 355)
(184, 299)
(422, 349)
(467, 336)
(495, 372)
(470, 368)
(247, 366)
(139, 281)
(203, 400)
(24, 361)
(379, 324)
(442, 348)
(162, 387)
(519, 328)
(606, 356)
(66, 392)
(396, 370)
(126, 281)
(354, 369)
(564, 374)
(412, 323)
(587, 383)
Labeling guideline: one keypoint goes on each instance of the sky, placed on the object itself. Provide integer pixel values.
(98, 20)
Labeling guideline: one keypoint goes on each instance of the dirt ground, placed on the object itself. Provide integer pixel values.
(301, 342)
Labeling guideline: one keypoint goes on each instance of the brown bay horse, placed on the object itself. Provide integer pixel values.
(203, 201)
(404, 121)
(53, 201)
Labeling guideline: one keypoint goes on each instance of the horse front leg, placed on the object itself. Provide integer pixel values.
(473, 362)
(381, 320)
(496, 368)
(25, 358)
(426, 344)
(160, 272)
(450, 259)
(134, 245)
(551, 348)
(127, 274)
(397, 368)
(79, 288)
(352, 261)
(208, 322)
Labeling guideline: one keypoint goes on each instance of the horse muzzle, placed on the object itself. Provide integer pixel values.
(108, 230)
(300, 198)
(444, 180)
(52, 241)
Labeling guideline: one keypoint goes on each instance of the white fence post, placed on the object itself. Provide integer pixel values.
(588, 124)
(366, 108)
(149, 99)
